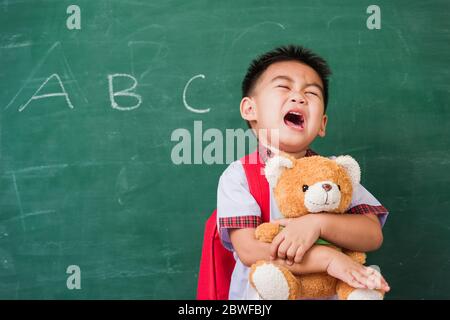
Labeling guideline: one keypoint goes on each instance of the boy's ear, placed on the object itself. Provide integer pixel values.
(351, 167)
(275, 167)
(323, 126)
(248, 109)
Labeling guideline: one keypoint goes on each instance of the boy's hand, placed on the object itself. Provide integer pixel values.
(354, 274)
(297, 236)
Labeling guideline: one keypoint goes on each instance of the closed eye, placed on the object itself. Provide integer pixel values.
(313, 93)
(284, 87)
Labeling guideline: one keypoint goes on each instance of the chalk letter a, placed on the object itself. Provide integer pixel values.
(73, 21)
(63, 93)
(374, 20)
(74, 280)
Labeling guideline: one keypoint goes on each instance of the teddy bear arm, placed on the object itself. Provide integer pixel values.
(267, 231)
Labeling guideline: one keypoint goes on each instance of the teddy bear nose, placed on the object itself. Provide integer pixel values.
(326, 186)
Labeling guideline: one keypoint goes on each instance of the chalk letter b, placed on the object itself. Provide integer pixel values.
(73, 21)
(126, 92)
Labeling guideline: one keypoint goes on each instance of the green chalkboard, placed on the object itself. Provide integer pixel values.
(87, 176)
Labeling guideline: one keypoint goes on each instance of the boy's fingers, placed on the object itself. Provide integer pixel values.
(282, 249)
(375, 280)
(370, 279)
(288, 262)
(376, 277)
(350, 279)
(372, 285)
(291, 254)
(385, 284)
(299, 254)
(385, 288)
(274, 246)
(360, 277)
(369, 271)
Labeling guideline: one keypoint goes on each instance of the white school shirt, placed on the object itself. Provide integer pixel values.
(236, 208)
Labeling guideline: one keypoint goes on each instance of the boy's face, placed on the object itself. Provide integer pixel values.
(288, 101)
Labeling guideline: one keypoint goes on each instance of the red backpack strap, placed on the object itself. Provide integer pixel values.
(216, 265)
(257, 183)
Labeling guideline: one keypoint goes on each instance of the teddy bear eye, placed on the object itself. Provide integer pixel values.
(305, 187)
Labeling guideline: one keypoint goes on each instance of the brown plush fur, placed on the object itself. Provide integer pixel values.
(289, 195)
(290, 199)
(267, 231)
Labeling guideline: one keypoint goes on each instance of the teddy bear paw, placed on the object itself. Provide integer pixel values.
(270, 282)
(365, 294)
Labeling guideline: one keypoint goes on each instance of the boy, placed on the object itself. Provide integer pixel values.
(285, 93)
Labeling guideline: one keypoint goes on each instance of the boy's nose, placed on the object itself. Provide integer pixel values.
(297, 96)
(299, 100)
(326, 186)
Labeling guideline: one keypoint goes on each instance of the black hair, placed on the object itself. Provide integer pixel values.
(286, 53)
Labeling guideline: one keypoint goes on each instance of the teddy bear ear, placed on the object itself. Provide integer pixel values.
(351, 167)
(275, 167)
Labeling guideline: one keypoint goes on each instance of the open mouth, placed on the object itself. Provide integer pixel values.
(294, 120)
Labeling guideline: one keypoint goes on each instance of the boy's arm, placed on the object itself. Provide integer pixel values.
(250, 250)
(361, 228)
(357, 232)
(318, 259)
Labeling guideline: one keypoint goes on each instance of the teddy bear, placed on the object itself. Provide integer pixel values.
(306, 186)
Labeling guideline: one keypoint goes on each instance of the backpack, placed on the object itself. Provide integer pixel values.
(217, 263)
